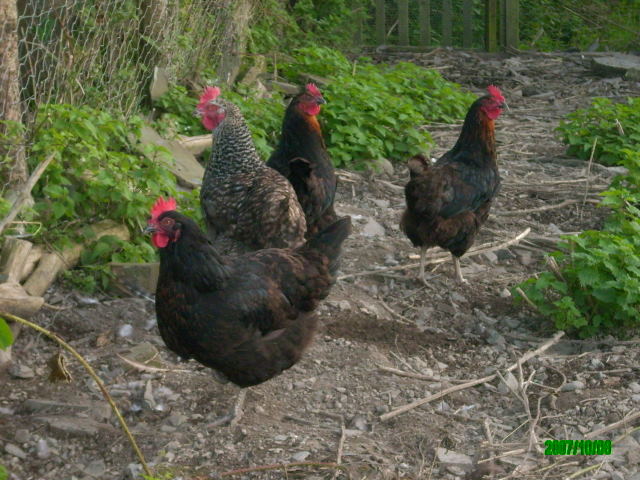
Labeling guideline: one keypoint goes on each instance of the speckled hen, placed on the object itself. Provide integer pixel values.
(242, 199)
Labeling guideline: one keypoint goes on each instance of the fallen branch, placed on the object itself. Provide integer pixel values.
(512, 213)
(25, 192)
(279, 466)
(443, 257)
(526, 357)
(93, 375)
(148, 368)
(624, 422)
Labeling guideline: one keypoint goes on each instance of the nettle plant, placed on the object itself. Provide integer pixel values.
(596, 287)
(616, 126)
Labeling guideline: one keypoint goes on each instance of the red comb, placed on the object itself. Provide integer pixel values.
(313, 90)
(495, 93)
(162, 206)
(210, 93)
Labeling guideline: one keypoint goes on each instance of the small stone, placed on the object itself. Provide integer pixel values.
(382, 203)
(636, 397)
(511, 322)
(280, 438)
(491, 257)
(95, 468)
(360, 423)
(17, 370)
(21, 436)
(494, 338)
(15, 450)
(300, 456)
(635, 387)
(571, 386)
(125, 330)
(451, 458)
(384, 166)
(167, 429)
(373, 229)
(505, 293)
(176, 419)
(42, 449)
(133, 471)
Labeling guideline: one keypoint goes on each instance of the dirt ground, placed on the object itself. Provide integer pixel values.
(328, 408)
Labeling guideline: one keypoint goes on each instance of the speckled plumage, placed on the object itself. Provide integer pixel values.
(244, 200)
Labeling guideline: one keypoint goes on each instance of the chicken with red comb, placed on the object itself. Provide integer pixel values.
(448, 202)
(302, 157)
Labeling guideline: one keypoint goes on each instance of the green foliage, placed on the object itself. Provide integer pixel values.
(177, 115)
(615, 125)
(6, 339)
(598, 287)
(374, 110)
(557, 25)
(100, 171)
(4, 475)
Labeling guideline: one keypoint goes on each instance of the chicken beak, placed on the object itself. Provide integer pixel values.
(321, 101)
(505, 105)
(149, 229)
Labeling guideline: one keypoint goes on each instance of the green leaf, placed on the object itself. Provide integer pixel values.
(6, 339)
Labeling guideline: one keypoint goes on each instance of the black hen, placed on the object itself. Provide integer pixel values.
(249, 317)
(302, 157)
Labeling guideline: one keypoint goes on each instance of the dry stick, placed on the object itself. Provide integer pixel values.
(279, 466)
(613, 426)
(93, 374)
(512, 213)
(23, 196)
(526, 357)
(527, 299)
(443, 257)
(340, 449)
(584, 470)
(586, 185)
(419, 376)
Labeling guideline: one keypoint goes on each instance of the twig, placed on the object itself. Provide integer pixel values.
(443, 257)
(148, 368)
(93, 375)
(279, 466)
(584, 470)
(625, 421)
(527, 299)
(517, 451)
(511, 213)
(419, 376)
(526, 357)
(401, 318)
(340, 448)
(23, 196)
(586, 185)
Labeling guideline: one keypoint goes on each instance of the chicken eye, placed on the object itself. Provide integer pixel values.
(167, 222)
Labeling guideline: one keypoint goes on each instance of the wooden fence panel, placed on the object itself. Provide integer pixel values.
(381, 27)
(467, 24)
(425, 22)
(403, 22)
(447, 22)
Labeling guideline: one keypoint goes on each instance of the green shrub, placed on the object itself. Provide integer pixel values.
(99, 171)
(597, 287)
(374, 111)
(615, 125)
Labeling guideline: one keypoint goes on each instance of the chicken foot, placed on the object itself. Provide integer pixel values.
(458, 270)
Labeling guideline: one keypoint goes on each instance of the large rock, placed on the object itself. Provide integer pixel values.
(140, 276)
(616, 65)
(185, 166)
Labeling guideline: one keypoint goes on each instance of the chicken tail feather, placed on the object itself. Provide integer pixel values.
(329, 242)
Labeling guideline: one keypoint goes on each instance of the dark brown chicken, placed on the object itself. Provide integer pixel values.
(302, 158)
(250, 316)
(448, 202)
(247, 206)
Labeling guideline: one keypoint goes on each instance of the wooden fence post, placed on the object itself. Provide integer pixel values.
(511, 22)
(381, 24)
(425, 22)
(467, 21)
(403, 22)
(447, 16)
(491, 25)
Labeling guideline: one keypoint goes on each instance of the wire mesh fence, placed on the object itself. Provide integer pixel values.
(102, 53)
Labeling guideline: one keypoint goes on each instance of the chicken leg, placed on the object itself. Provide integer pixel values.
(458, 270)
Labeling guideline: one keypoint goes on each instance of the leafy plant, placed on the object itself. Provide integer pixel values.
(615, 125)
(100, 171)
(6, 339)
(596, 288)
(374, 110)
